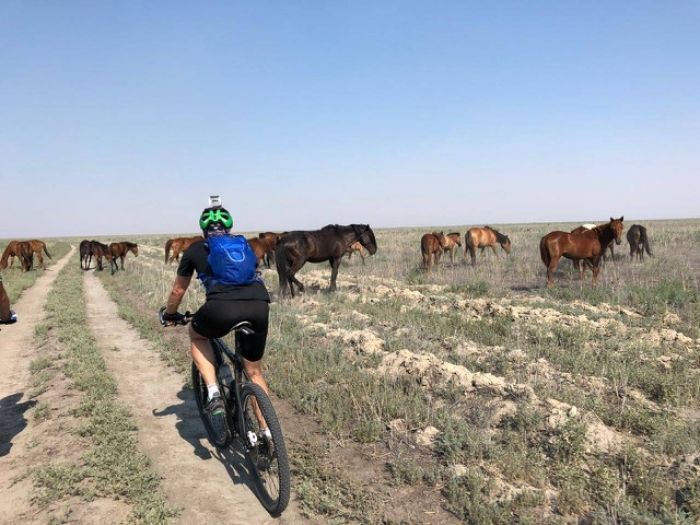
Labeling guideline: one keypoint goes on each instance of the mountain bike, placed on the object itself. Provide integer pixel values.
(248, 411)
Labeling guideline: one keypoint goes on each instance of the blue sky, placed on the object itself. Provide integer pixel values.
(122, 117)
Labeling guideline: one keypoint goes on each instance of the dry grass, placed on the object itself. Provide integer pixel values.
(546, 405)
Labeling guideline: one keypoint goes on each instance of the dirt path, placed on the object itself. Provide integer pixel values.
(16, 352)
(208, 486)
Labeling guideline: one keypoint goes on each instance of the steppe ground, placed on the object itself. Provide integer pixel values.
(475, 394)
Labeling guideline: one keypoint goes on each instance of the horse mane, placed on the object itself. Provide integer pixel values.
(499, 236)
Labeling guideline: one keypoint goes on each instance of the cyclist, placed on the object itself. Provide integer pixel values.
(225, 306)
(7, 316)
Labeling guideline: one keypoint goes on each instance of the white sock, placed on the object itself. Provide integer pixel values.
(266, 432)
(213, 390)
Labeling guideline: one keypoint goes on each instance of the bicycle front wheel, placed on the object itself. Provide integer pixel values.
(266, 456)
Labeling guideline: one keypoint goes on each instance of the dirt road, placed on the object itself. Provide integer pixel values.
(207, 485)
(16, 353)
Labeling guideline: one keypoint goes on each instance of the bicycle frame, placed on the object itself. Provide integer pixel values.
(221, 348)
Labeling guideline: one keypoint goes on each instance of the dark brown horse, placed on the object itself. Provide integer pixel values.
(120, 249)
(431, 246)
(329, 243)
(85, 254)
(90, 249)
(639, 242)
(179, 245)
(452, 241)
(588, 245)
(482, 238)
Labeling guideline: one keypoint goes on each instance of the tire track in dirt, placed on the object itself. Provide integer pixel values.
(209, 486)
(16, 353)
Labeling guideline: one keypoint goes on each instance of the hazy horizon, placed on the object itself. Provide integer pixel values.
(122, 118)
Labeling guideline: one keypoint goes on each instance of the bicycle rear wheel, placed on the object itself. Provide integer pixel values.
(267, 458)
(201, 395)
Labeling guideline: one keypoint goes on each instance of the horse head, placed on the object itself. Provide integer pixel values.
(617, 227)
(134, 249)
(366, 237)
(506, 244)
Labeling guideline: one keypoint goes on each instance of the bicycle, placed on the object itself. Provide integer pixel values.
(267, 458)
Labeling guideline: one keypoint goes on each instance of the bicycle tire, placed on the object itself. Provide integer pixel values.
(200, 396)
(274, 504)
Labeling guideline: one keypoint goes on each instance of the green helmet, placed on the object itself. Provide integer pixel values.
(215, 215)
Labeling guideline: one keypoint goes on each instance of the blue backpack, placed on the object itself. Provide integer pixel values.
(232, 262)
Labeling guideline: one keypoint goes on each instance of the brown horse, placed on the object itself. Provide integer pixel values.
(179, 245)
(24, 251)
(452, 241)
(431, 246)
(263, 248)
(482, 238)
(272, 239)
(587, 245)
(356, 247)
(120, 249)
(98, 251)
(587, 227)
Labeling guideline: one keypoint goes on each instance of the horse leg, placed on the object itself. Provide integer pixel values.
(121, 258)
(335, 263)
(596, 269)
(493, 247)
(551, 268)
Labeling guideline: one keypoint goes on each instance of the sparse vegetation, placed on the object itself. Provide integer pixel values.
(587, 403)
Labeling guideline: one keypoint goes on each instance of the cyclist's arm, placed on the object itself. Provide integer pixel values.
(179, 288)
(4, 303)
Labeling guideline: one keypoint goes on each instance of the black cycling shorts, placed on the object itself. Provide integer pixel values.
(217, 318)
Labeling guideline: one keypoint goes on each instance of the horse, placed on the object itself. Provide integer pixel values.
(588, 245)
(356, 247)
(482, 238)
(271, 238)
(329, 243)
(98, 251)
(262, 247)
(120, 249)
(639, 242)
(590, 226)
(452, 240)
(24, 251)
(85, 251)
(431, 246)
(179, 245)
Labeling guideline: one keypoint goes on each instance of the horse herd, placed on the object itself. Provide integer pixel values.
(289, 251)
(112, 252)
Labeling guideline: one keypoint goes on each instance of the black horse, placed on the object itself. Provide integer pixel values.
(85, 254)
(637, 237)
(329, 243)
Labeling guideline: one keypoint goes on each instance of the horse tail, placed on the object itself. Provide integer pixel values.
(544, 252)
(282, 268)
(469, 244)
(46, 251)
(168, 244)
(645, 241)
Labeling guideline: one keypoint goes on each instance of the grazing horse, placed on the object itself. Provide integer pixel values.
(271, 238)
(329, 243)
(590, 226)
(263, 248)
(588, 245)
(179, 245)
(452, 240)
(482, 238)
(24, 251)
(120, 249)
(356, 247)
(639, 242)
(431, 246)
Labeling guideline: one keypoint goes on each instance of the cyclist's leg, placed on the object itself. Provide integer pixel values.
(203, 356)
(253, 348)
(4, 303)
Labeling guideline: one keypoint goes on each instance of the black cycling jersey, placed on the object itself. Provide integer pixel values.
(195, 258)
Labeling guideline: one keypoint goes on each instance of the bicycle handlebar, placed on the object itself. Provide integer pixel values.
(182, 320)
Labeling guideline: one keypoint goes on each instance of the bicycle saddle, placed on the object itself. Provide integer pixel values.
(244, 327)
